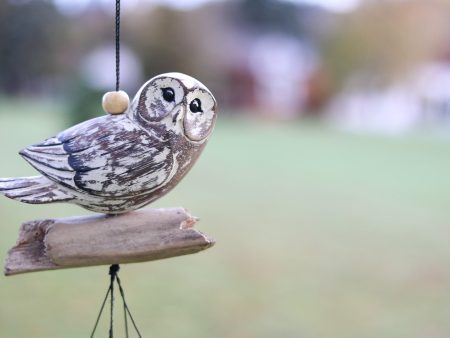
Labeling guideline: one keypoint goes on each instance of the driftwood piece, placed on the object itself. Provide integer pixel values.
(138, 236)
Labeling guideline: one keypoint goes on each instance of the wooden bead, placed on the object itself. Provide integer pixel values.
(115, 102)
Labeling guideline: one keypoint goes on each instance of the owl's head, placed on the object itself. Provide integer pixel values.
(178, 102)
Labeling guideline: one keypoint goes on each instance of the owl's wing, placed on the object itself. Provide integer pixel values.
(106, 156)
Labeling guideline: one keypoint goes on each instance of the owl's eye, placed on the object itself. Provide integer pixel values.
(168, 94)
(196, 106)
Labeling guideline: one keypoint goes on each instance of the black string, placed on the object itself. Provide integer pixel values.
(127, 311)
(117, 45)
(101, 311)
(113, 271)
(125, 314)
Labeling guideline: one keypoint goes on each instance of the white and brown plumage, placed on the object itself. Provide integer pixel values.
(115, 164)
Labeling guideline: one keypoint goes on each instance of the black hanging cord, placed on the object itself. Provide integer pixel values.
(101, 311)
(113, 272)
(117, 45)
(114, 269)
(127, 311)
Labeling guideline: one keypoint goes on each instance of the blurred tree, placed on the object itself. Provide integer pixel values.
(30, 35)
(272, 15)
(385, 40)
(159, 38)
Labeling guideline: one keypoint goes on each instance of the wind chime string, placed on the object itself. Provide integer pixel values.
(117, 45)
(127, 310)
(116, 102)
(114, 269)
(101, 311)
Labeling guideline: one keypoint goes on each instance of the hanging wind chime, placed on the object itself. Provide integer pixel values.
(114, 165)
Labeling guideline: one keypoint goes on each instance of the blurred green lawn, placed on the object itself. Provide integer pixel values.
(319, 234)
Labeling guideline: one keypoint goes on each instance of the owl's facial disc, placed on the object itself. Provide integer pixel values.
(159, 98)
(200, 115)
(180, 103)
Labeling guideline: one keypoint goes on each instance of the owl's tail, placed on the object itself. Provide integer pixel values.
(33, 190)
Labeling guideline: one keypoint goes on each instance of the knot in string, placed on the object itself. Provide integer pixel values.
(113, 270)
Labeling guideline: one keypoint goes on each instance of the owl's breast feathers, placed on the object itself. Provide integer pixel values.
(108, 157)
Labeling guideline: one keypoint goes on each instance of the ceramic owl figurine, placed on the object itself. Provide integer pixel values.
(118, 163)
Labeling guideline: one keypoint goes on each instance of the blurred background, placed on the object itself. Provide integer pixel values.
(326, 183)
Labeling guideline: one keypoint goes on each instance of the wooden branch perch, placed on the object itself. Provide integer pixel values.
(139, 236)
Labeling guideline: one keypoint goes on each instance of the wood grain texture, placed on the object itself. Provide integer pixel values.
(139, 236)
(119, 163)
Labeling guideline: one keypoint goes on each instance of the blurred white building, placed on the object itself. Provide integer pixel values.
(281, 67)
(422, 100)
(98, 69)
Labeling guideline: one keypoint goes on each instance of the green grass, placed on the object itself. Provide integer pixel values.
(319, 234)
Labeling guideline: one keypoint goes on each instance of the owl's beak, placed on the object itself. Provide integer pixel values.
(177, 113)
